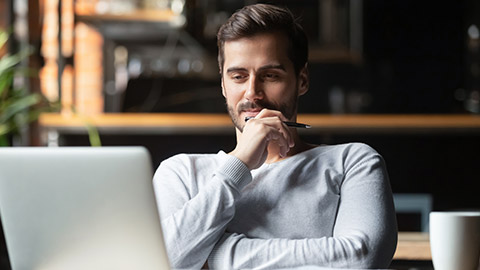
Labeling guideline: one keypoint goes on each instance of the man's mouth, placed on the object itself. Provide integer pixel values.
(251, 112)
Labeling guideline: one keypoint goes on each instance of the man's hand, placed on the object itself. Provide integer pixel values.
(266, 128)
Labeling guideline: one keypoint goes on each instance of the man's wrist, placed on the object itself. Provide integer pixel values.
(239, 157)
(236, 171)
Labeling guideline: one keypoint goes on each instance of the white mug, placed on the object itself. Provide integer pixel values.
(455, 240)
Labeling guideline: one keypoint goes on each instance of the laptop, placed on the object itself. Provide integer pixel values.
(80, 208)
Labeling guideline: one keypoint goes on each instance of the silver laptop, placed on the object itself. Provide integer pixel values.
(80, 208)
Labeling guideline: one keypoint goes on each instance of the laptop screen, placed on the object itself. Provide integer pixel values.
(80, 208)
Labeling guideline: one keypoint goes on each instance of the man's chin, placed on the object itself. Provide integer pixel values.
(236, 122)
(239, 126)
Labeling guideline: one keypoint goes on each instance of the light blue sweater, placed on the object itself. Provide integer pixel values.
(328, 206)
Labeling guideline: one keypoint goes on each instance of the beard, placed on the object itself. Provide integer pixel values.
(288, 109)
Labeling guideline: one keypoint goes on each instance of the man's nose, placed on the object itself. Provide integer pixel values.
(254, 89)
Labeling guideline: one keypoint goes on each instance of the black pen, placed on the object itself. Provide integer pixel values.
(290, 124)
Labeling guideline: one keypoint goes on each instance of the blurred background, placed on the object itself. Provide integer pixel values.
(366, 57)
(371, 56)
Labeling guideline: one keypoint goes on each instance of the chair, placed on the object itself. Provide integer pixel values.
(415, 203)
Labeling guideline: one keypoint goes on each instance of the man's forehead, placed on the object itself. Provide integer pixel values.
(266, 50)
(263, 39)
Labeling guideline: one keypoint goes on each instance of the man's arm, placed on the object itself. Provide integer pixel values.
(193, 218)
(236, 251)
(364, 234)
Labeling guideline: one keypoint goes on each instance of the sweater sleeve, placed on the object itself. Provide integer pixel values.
(364, 235)
(194, 218)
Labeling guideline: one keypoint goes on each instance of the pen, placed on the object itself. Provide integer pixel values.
(290, 124)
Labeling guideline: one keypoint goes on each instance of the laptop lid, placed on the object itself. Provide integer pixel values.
(80, 208)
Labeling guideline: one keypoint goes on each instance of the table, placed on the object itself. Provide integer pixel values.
(413, 246)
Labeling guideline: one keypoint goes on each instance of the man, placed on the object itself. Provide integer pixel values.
(274, 201)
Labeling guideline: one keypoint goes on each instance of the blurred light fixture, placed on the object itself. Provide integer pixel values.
(473, 32)
(177, 6)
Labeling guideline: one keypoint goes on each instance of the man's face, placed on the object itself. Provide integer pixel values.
(257, 74)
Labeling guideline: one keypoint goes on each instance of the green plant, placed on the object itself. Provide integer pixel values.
(18, 107)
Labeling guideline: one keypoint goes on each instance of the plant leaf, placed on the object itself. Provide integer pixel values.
(19, 105)
(5, 129)
(93, 135)
(4, 141)
(6, 79)
(9, 61)
(3, 38)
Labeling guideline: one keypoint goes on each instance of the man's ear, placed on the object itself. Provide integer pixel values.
(303, 83)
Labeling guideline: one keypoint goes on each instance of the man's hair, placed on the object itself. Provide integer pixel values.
(264, 18)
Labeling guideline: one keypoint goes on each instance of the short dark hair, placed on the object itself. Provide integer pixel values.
(265, 18)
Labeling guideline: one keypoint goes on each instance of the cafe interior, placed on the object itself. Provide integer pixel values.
(402, 76)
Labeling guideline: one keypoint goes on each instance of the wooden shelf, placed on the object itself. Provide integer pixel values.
(394, 123)
(190, 123)
(133, 122)
(140, 15)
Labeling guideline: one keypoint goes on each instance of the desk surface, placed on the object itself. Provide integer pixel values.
(413, 246)
(172, 123)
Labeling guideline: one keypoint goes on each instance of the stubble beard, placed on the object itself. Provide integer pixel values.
(288, 109)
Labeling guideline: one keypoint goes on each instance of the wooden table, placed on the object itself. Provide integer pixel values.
(413, 246)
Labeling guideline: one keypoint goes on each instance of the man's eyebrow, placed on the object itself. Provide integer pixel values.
(272, 66)
(235, 69)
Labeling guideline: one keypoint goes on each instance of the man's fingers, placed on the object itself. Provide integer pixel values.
(278, 137)
(271, 113)
(276, 118)
(278, 125)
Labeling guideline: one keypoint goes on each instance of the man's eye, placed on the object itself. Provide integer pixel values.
(270, 76)
(238, 77)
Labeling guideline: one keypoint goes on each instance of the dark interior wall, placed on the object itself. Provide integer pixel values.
(414, 53)
(413, 60)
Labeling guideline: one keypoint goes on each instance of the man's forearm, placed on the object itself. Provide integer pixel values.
(236, 251)
(193, 223)
(191, 232)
